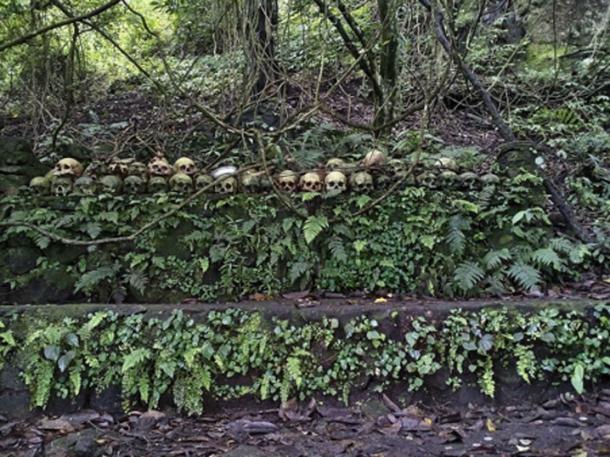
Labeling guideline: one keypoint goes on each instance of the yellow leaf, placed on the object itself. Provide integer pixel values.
(491, 427)
(427, 421)
(380, 300)
(607, 280)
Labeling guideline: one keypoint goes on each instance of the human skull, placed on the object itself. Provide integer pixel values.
(311, 182)
(119, 167)
(448, 178)
(181, 183)
(446, 163)
(227, 185)
(137, 169)
(250, 181)
(398, 168)
(204, 180)
(60, 187)
(427, 179)
(111, 184)
(40, 185)
(490, 179)
(469, 180)
(96, 168)
(287, 181)
(134, 184)
(186, 166)
(374, 159)
(85, 185)
(336, 164)
(159, 167)
(361, 182)
(335, 183)
(157, 184)
(68, 167)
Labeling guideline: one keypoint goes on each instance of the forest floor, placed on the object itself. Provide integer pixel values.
(563, 427)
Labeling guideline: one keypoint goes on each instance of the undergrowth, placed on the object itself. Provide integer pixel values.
(233, 353)
(495, 240)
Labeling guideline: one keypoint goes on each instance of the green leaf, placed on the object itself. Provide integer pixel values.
(467, 275)
(362, 201)
(525, 275)
(547, 257)
(314, 225)
(359, 245)
(64, 360)
(494, 259)
(578, 378)
(297, 270)
(93, 229)
(337, 249)
(51, 352)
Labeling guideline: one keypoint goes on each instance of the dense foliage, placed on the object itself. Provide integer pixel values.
(494, 240)
(234, 353)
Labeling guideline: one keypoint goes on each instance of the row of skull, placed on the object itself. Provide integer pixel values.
(337, 176)
(373, 161)
(333, 183)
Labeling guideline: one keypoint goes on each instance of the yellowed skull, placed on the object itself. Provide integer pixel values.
(335, 183)
(68, 167)
(186, 166)
(159, 167)
(287, 181)
(311, 182)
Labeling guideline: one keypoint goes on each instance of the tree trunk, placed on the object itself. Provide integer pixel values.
(261, 23)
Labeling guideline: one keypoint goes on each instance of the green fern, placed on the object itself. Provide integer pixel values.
(337, 248)
(456, 238)
(525, 275)
(314, 225)
(494, 259)
(547, 257)
(467, 275)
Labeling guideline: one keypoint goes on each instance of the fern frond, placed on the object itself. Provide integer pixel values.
(467, 275)
(494, 259)
(547, 257)
(525, 275)
(456, 238)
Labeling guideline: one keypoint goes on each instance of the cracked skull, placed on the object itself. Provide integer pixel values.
(250, 181)
(186, 166)
(469, 180)
(181, 183)
(446, 163)
(61, 186)
(398, 168)
(111, 184)
(40, 185)
(427, 179)
(228, 185)
(335, 183)
(311, 182)
(374, 159)
(157, 184)
(287, 181)
(85, 185)
(134, 184)
(137, 169)
(119, 167)
(490, 179)
(68, 167)
(336, 164)
(159, 167)
(204, 180)
(361, 182)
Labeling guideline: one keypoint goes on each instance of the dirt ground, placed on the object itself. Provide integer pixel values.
(567, 426)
